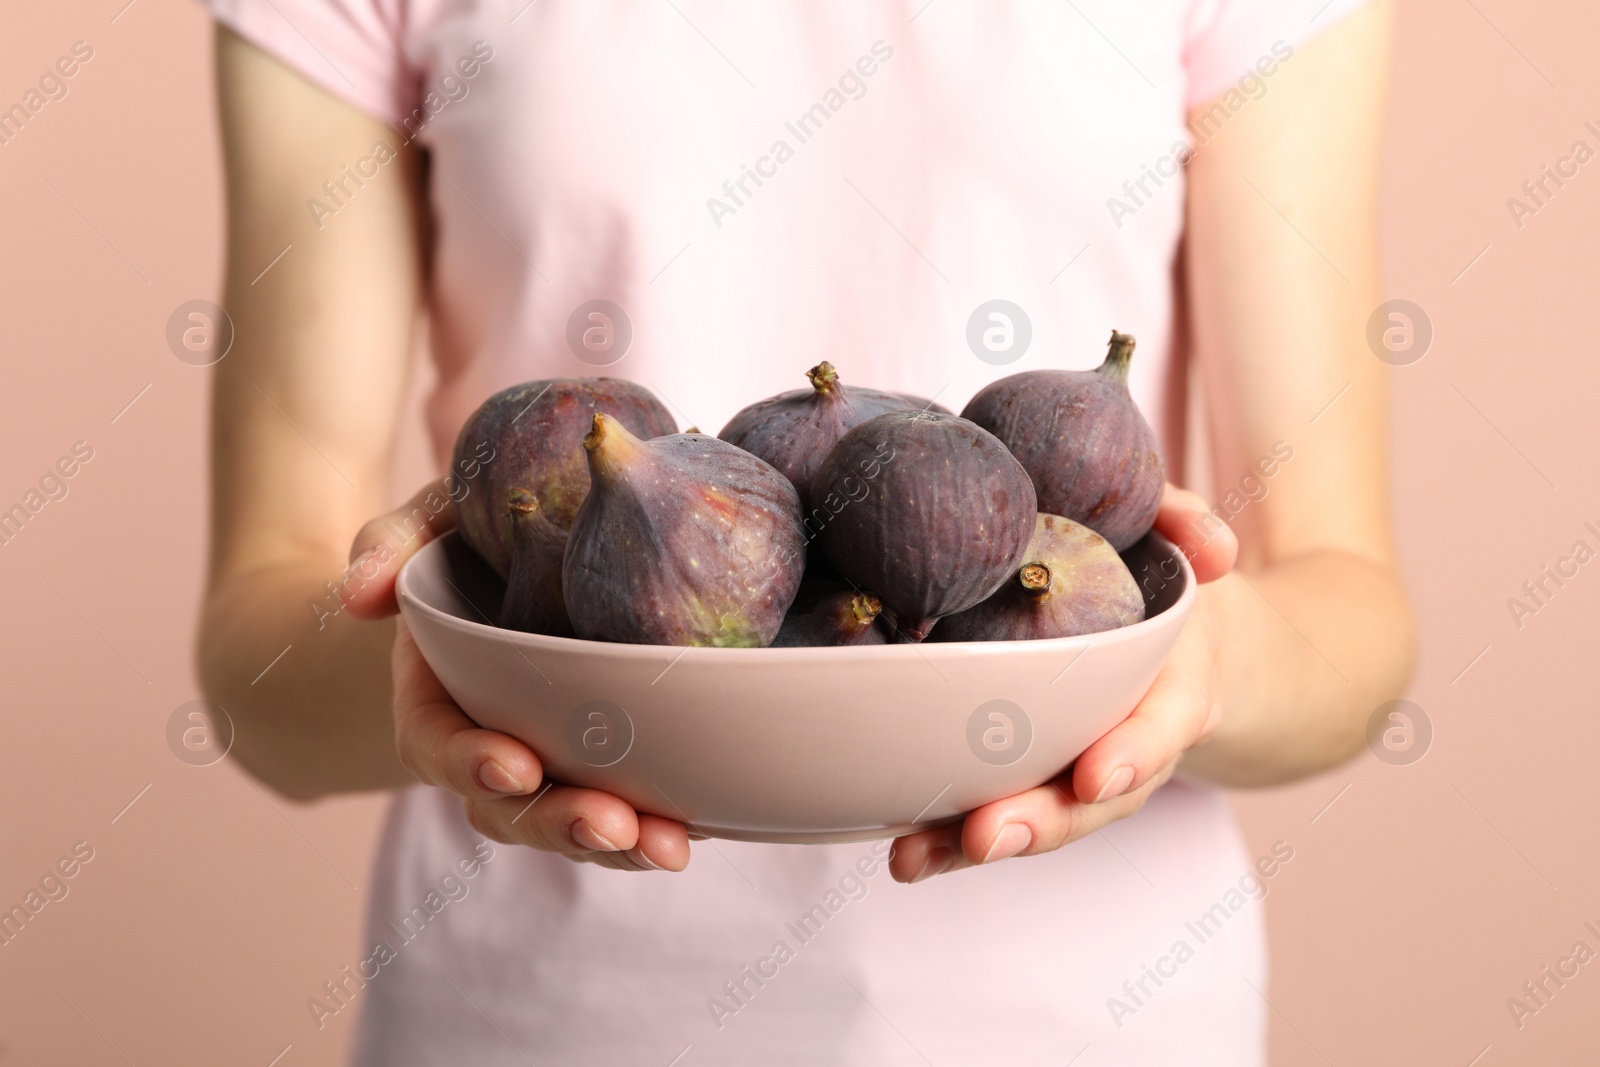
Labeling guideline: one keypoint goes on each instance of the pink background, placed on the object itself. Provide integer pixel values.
(1416, 904)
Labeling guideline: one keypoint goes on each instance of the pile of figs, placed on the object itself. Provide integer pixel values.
(829, 515)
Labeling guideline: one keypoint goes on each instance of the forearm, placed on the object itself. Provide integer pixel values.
(318, 719)
(1308, 648)
(305, 409)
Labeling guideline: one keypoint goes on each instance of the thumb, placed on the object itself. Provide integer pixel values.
(1186, 519)
(383, 545)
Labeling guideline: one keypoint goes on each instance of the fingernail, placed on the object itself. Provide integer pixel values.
(586, 837)
(495, 778)
(1116, 785)
(938, 861)
(1012, 839)
(362, 566)
(637, 855)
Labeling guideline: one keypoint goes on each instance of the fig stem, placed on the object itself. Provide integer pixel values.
(1119, 353)
(596, 434)
(823, 377)
(610, 447)
(522, 502)
(865, 607)
(1035, 578)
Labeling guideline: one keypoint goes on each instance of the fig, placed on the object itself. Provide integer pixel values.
(831, 613)
(793, 431)
(533, 589)
(682, 540)
(529, 437)
(1072, 583)
(1092, 456)
(928, 511)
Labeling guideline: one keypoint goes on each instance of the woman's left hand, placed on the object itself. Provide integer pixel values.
(1115, 776)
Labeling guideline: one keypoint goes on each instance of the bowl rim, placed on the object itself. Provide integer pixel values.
(409, 601)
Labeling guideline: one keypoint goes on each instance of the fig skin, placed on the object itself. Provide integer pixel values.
(831, 613)
(1072, 583)
(533, 602)
(682, 540)
(794, 431)
(533, 436)
(928, 511)
(1092, 456)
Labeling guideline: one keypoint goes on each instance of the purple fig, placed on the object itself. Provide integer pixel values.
(1073, 582)
(533, 600)
(793, 431)
(1092, 456)
(529, 437)
(928, 511)
(831, 613)
(683, 540)
(818, 569)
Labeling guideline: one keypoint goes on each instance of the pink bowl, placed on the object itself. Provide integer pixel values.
(792, 744)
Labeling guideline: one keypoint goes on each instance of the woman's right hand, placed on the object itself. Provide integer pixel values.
(500, 779)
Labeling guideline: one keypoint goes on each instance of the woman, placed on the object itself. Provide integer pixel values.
(756, 191)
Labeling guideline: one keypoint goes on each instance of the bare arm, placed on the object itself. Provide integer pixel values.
(304, 418)
(1283, 269)
(304, 412)
(1285, 656)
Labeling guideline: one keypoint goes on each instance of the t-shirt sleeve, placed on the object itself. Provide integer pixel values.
(1226, 38)
(352, 48)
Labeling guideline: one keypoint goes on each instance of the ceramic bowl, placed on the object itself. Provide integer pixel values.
(792, 744)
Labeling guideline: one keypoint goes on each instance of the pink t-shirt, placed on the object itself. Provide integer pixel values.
(758, 188)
